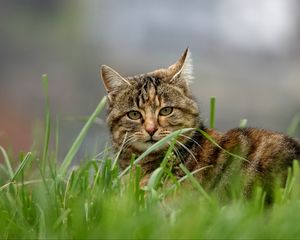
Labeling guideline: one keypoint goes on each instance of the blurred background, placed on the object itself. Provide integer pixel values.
(246, 53)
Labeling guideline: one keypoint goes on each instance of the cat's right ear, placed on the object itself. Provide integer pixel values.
(112, 80)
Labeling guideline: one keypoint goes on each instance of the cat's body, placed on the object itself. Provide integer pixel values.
(145, 108)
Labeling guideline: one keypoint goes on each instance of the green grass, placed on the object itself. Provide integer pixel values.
(41, 197)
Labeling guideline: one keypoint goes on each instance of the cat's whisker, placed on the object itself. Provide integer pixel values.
(127, 144)
(190, 138)
(124, 140)
(127, 141)
(130, 141)
(188, 150)
(177, 153)
(127, 137)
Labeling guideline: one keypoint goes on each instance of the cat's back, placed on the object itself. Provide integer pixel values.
(263, 150)
(257, 154)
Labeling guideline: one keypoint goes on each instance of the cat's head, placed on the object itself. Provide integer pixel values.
(145, 108)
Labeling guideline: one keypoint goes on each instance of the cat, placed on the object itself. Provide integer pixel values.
(145, 108)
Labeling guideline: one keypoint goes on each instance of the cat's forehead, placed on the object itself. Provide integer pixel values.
(138, 80)
(161, 75)
(146, 90)
(147, 85)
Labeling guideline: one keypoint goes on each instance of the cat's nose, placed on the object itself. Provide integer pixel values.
(151, 129)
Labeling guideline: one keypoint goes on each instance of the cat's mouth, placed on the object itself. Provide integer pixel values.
(151, 141)
(144, 145)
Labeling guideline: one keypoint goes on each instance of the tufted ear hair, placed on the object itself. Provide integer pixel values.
(112, 79)
(181, 72)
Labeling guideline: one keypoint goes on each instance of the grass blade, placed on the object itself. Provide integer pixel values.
(294, 125)
(243, 123)
(7, 162)
(212, 112)
(119, 153)
(42, 224)
(24, 163)
(155, 178)
(195, 182)
(75, 146)
(205, 134)
(290, 181)
(47, 121)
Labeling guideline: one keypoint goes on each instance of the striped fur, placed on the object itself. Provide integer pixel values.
(149, 97)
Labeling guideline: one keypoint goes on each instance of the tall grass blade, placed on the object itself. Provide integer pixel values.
(68, 184)
(56, 139)
(155, 178)
(216, 144)
(26, 160)
(184, 178)
(62, 218)
(212, 112)
(288, 185)
(79, 139)
(5, 186)
(168, 154)
(118, 154)
(259, 198)
(164, 168)
(42, 224)
(7, 162)
(195, 182)
(294, 125)
(290, 181)
(47, 121)
(138, 171)
(243, 123)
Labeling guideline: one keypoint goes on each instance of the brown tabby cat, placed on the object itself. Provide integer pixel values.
(145, 108)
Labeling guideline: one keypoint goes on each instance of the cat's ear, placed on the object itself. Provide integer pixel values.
(181, 72)
(112, 80)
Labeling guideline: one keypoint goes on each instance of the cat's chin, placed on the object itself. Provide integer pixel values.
(143, 146)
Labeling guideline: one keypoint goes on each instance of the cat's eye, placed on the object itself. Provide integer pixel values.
(166, 111)
(134, 115)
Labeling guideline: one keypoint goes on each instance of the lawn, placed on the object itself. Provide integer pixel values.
(41, 197)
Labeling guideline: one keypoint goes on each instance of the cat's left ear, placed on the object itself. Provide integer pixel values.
(112, 79)
(181, 72)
